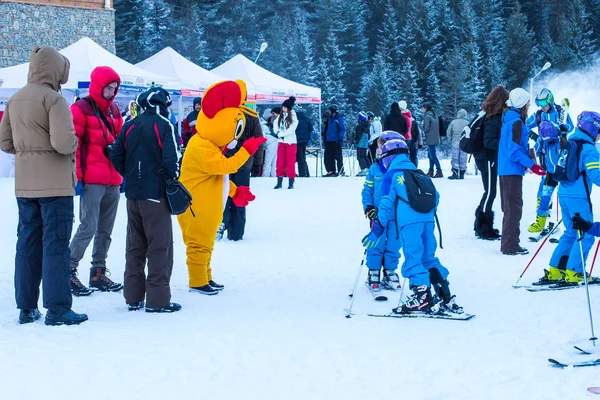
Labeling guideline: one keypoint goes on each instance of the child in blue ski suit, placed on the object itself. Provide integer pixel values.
(573, 198)
(381, 254)
(414, 233)
(546, 154)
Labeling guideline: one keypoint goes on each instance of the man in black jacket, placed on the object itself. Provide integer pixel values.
(302, 137)
(395, 121)
(145, 154)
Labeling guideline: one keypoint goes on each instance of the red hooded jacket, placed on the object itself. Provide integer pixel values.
(408, 116)
(93, 166)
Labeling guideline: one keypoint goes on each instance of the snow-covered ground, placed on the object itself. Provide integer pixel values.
(278, 330)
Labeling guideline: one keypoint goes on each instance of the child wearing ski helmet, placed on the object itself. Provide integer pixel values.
(548, 111)
(574, 198)
(361, 141)
(414, 231)
(371, 196)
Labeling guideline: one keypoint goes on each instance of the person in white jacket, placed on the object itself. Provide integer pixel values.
(285, 127)
(269, 165)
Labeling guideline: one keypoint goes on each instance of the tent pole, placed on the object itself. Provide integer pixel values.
(180, 115)
(321, 155)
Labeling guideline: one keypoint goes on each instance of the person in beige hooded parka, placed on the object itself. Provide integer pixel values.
(37, 128)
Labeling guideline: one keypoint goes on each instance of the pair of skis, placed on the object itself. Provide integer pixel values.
(549, 230)
(560, 285)
(576, 364)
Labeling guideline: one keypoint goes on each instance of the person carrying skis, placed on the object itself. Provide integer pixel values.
(414, 231)
(371, 196)
(548, 111)
(574, 198)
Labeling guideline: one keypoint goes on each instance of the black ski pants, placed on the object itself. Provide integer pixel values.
(333, 155)
(489, 178)
(234, 217)
(301, 160)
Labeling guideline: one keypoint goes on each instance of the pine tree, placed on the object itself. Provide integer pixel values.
(129, 30)
(521, 52)
(330, 69)
(376, 93)
(307, 69)
(196, 43)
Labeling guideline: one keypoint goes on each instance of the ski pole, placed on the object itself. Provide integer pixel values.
(401, 293)
(351, 295)
(538, 250)
(587, 290)
(594, 259)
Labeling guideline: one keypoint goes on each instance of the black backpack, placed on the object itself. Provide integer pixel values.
(567, 167)
(471, 139)
(443, 125)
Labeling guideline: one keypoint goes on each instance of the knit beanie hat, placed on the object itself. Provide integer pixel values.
(289, 103)
(403, 105)
(517, 98)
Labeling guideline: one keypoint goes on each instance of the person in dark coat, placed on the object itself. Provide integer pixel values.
(146, 154)
(189, 127)
(335, 134)
(234, 217)
(487, 163)
(395, 121)
(303, 131)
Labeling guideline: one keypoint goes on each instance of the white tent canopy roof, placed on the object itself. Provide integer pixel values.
(173, 65)
(85, 55)
(265, 86)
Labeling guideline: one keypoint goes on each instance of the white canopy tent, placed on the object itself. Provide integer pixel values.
(176, 67)
(265, 86)
(85, 55)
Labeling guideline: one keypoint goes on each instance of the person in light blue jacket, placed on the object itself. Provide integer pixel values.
(513, 161)
(414, 233)
(380, 255)
(574, 198)
(551, 112)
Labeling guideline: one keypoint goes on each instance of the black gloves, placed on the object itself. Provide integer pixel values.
(581, 224)
(371, 213)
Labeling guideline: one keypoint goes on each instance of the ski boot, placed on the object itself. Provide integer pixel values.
(454, 175)
(577, 277)
(446, 299)
(420, 301)
(99, 280)
(77, 288)
(538, 225)
(390, 279)
(374, 281)
(220, 231)
(551, 276)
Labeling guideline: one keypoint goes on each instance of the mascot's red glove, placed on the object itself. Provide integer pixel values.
(251, 145)
(243, 196)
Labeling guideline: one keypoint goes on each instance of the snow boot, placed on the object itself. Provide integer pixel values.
(291, 184)
(68, 317)
(374, 281)
(220, 232)
(461, 174)
(206, 289)
(438, 174)
(454, 175)
(390, 279)
(279, 183)
(169, 308)
(330, 174)
(421, 300)
(77, 288)
(552, 275)
(136, 306)
(29, 316)
(538, 225)
(430, 173)
(442, 291)
(99, 280)
(215, 285)
(521, 251)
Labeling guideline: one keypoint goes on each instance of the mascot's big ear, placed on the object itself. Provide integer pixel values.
(226, 94)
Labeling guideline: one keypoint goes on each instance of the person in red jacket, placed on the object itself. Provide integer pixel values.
(97, 122)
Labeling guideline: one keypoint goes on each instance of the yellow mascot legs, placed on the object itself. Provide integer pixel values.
(199, 235)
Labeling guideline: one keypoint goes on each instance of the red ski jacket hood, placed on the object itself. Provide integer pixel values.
(100, 78)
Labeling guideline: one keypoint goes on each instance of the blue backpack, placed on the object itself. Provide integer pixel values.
(567, 168)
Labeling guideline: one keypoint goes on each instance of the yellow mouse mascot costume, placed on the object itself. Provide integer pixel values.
(205, 173)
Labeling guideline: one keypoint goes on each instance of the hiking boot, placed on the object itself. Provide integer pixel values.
(421, 300)
(29, 316)
(215, 285)
(135, 306)
(206, 289)
(538, 225)
(430, 174)
(99, 280)
(279, 183)
(552, 275)
(373, 280)
(461, 174)
(390, 279)
(169, 308)
(330, 174)
(454, 175)
(220, 232)
(291, 184)
(438, 174)
(521, 251)
(77, 288)
(69, 317)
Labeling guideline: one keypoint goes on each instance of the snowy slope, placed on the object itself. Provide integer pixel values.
(278, 330)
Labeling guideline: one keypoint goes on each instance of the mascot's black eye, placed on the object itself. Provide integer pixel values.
(239, 129)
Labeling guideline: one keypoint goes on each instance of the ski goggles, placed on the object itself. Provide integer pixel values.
(542, 102)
